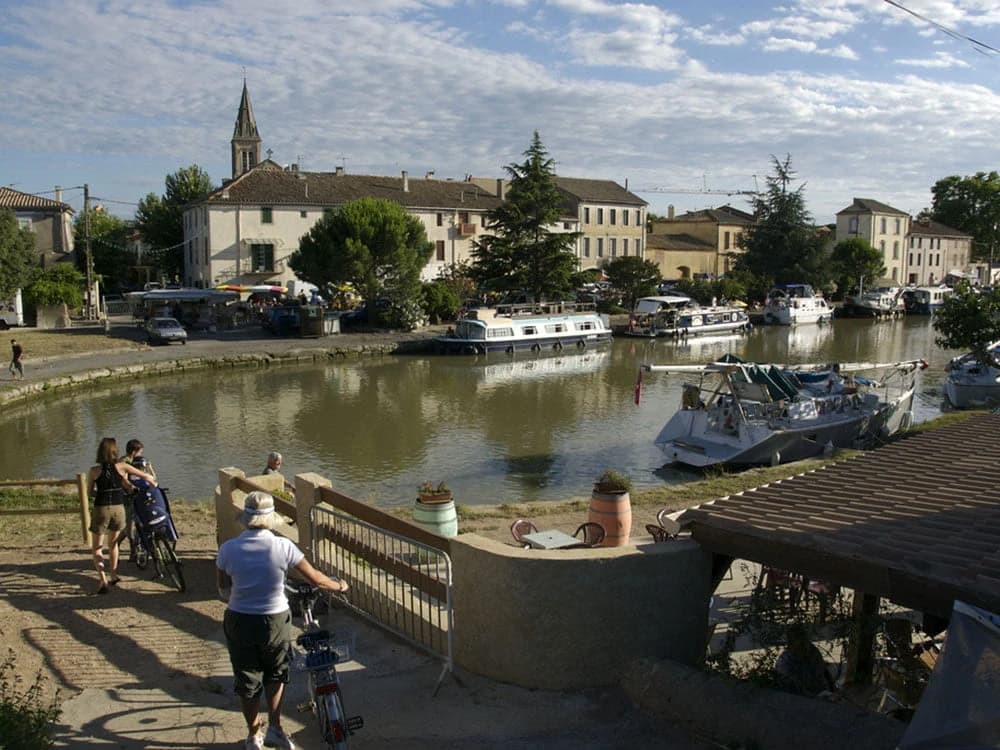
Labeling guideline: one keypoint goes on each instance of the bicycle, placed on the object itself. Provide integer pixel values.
(319, 657)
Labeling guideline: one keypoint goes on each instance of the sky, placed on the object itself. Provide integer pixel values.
(682, 102)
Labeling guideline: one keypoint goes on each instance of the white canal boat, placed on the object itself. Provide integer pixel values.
(792, 304)
(971, 383)
(743, 413)
(925, 300)
(534, 327)
(678, 316)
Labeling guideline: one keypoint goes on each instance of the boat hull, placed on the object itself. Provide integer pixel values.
(966, 394)
(450, 345)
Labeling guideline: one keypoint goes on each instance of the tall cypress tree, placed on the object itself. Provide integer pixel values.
(521, 251)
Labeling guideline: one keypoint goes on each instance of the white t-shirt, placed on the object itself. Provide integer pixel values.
(257, 561)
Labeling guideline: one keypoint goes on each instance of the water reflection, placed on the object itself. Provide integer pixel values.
(496, 429)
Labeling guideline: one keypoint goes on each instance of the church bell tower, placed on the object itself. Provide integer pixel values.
(246, 140)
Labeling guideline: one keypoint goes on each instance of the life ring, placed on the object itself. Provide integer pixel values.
(557, 346)
(536, 348)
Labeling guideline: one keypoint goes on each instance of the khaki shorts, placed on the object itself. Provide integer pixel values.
(260, 649)
(107, 518)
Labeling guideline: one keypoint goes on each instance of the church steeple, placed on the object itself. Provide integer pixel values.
(246, 141)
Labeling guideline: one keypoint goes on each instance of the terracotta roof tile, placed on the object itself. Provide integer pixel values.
(917, 521)
(15, 199)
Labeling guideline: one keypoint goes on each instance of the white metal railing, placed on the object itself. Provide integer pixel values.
(396, 582)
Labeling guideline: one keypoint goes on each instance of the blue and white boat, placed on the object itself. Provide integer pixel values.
(974, 383)
(925, 300)
(791, 304)
(678, 316)
(742, 413)
(533, 327)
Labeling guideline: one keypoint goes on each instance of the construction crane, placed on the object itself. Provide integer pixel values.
(704, 190)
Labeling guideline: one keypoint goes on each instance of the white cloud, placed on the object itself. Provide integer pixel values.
(940, 60)
(709, 36)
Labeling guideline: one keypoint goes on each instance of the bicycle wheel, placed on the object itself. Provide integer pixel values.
(167, 563)
(141, 553)
(334, 726)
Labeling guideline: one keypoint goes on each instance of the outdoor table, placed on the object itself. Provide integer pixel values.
(551, 539)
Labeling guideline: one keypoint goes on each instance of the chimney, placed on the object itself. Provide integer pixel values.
(406, 182)
(58, 193)
(339, 172)
(500, 188)
(670, 211)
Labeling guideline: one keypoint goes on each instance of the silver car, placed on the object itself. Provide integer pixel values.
(165, 330)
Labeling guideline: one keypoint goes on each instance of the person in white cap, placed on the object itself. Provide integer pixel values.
(257, 622)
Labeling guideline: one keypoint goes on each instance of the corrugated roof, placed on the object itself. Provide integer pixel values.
(916, 521)
(15, 199)
(268, 186)
(869, 206)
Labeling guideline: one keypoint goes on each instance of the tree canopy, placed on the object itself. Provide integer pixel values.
(60, 284)
(854, 261)
(107, 246)
(521, 252)
(633, 277)
(972, 205)
(17, 254)
(376, 246)
(782, 245)
(969, 320)
(161, 219)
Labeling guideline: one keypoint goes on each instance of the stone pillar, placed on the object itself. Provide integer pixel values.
(228, 507)
(306, 496)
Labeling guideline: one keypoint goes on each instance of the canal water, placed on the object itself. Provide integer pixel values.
(497, 429)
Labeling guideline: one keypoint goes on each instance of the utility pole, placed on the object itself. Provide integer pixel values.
(87, 251)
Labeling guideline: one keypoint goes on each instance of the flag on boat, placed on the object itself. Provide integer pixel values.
(638, 387)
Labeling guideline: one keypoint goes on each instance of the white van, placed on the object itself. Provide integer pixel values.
(11, 312)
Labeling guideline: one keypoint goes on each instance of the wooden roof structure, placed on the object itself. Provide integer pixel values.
(916, 521)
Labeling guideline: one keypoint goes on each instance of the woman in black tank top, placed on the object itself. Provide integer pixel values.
(108, 484)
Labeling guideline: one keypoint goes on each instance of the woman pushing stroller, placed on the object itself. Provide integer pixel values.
(109, 483)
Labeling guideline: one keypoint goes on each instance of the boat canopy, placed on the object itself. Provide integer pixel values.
(189, 295)
(654, 304)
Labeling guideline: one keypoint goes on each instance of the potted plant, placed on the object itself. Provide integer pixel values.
(612, 482)
(430, 493)
(611, 507)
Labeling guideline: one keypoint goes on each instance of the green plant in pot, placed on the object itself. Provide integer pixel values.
(613, 482)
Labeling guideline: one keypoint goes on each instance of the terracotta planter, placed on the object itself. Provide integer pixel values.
(613, 511)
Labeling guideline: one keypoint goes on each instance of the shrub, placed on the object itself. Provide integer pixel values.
(612, 481)
(25, 721)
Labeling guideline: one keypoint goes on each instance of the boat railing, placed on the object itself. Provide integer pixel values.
(544, 308)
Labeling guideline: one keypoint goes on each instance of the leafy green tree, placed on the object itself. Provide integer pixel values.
(970, 320)
(376, 246)
(521, 252)
(782, 245)
(107, 246)
(58, 285)
(633, 277)
(458, 278)
(854, 261)
(972, 205)
(440, 301)
(161, 219)
(17, 254)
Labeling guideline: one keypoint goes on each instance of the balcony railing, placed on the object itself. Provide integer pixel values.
(465, 230)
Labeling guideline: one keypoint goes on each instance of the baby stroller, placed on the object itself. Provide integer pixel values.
(154, 535)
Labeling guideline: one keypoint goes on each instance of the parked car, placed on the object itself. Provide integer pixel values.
(165, 330)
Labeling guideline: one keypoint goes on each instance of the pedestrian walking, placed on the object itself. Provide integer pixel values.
(16, 359)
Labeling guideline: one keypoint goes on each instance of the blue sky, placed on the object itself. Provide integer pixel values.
(683, 96)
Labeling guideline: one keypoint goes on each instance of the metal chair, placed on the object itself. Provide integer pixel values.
(658, 533)
(590, 534)
(519, 528)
